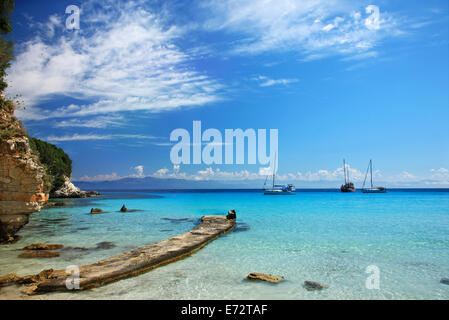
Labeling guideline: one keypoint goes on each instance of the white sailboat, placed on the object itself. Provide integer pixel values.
(372, 189)
(278, 189)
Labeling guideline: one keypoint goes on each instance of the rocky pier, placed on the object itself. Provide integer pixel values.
(128, 264)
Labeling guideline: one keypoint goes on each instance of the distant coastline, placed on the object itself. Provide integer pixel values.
(211, 190)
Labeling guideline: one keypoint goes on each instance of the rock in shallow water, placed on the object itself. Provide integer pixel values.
(43, 246)
(444, 281)
(313, 285)
(39, 254)
(96, 211)
(265, 277)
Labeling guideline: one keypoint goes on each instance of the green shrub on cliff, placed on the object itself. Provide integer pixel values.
(56, 161)
(6, 46)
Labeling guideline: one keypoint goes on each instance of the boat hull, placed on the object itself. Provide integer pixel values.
(278, 193)
(346, 188)
(376, 190)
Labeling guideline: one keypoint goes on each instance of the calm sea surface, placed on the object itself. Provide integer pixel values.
(328, 237)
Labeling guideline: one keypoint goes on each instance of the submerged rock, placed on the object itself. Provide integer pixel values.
(265, 277)
(313, 285)
(59, 221)
(96, 211)
(69, 248)
(240, 226)
(55, 204)
(39, 254)
(180, 220)
(43, 246)
(105, 245)
(444, 281)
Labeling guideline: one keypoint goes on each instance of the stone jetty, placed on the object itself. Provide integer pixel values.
(131, 263)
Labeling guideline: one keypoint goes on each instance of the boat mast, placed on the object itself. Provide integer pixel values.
(371, 171)
(366, 175)
(347, 173)
(344, 168)
(274, 168)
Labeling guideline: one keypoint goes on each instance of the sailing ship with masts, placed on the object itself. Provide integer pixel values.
(277, 189)
(347, 186)
(372, 189)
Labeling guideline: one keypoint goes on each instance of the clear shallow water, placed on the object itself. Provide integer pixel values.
(328, 237)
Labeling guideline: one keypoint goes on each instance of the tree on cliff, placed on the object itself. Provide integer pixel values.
(57, 163)
(6, 46)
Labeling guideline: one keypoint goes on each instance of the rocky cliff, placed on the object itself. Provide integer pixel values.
(22, 188)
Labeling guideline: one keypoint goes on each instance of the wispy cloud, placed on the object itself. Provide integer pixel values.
(123, 58)
(85, 137)
(267, 82)
(310, 27)
(98, 122)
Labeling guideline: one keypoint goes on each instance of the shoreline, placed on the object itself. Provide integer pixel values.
(132, 263)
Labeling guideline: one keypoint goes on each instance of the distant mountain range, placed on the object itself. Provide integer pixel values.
(149, 183)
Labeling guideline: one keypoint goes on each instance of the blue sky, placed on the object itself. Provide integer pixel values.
(335, 83)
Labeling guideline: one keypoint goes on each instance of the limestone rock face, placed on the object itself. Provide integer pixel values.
(69, 190)
(21, 179)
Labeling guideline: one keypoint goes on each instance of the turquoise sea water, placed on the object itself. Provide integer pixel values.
(328, 237)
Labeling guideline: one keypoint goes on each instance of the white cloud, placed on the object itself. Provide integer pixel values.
(210, 173)
(100, 177)
(264, 81)
(439, 177)
(310, 27)
(406, 176)
(123, 58)
(98, 122)
(84, 137)
(139, 171)
(161, 173)
(440, 171)
(53, 22)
